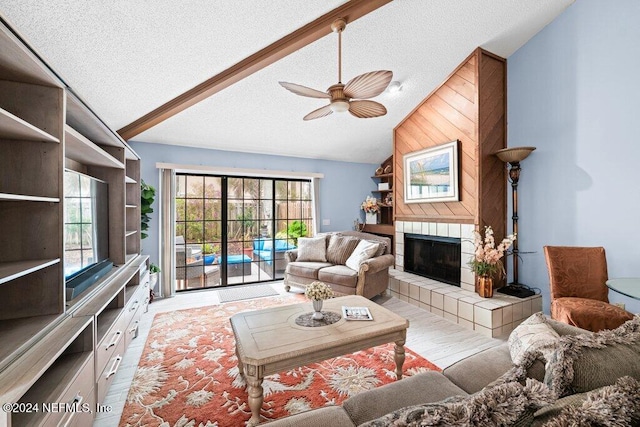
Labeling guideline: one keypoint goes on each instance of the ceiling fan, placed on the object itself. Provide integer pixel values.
(362, 87)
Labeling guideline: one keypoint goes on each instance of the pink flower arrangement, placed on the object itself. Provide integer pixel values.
(370, 205)
(487, 257)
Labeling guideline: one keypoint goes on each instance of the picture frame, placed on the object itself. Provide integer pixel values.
(431, 175)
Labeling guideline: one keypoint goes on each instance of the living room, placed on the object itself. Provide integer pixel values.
(568, 95)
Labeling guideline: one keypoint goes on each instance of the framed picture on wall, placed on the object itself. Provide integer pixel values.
(431, 175)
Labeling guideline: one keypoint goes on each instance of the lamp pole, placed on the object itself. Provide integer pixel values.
(513, 157)
(514, 177)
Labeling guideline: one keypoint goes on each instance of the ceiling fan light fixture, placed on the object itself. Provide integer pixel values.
(394, 87)
(339, 106)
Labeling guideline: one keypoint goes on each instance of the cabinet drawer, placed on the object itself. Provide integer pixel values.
(131, 308)
(132, 329)
(105, 378)
(107, 346)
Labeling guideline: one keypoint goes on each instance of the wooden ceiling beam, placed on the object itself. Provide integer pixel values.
(303, 36)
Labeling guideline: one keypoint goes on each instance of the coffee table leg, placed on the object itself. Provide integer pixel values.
(399, 356)
(254, 377)
(240, 367)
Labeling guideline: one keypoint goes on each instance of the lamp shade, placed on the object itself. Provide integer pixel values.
(514, 154)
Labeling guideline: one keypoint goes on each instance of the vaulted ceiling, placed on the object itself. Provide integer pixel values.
(125, 58)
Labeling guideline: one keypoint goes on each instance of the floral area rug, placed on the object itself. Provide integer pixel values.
(188, 374)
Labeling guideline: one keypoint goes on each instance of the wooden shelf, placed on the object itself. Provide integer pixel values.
(383, 175)
(82, 150)
(24, 198)
(106, 319)
(129, 180)
(39, 357)
(13, 270)
(130, 233)
(18, 335)
(130, 206)
(386, 229)
(13, 127)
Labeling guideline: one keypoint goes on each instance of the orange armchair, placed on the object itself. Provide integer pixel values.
(579, 294)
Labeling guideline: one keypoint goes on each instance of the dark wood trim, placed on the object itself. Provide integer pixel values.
(303, 36)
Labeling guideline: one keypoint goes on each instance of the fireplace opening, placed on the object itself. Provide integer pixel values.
(434, 257)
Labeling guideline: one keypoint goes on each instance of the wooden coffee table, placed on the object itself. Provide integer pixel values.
(269, 341)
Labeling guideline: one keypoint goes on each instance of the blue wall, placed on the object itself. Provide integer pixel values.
(342, 190)
(574, 93)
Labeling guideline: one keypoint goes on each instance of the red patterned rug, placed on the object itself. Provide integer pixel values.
(188, 375)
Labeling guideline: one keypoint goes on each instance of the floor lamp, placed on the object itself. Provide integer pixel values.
(513, 157)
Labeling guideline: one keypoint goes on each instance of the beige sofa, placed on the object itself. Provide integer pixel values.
(370, 280)
(461, 379)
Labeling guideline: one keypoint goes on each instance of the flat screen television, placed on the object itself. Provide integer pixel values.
(86, 232)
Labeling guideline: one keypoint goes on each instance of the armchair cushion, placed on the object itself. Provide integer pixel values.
(312, 249)
(340, 248)
(591, 314)
(363, 251)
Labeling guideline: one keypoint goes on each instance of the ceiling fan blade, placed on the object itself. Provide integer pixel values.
(366, 109)
(304, 91)
(368, 85)
(320, 112)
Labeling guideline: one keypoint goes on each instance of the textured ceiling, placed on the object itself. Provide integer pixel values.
(127, 57)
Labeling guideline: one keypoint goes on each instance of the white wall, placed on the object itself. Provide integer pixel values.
(574, 93)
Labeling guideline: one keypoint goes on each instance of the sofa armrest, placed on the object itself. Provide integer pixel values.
(373, 265)
(291, 255)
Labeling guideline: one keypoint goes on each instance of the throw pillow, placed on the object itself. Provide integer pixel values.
(510, 404)
(312, 249)
(534, 334)
(614, 405)
(340, 248)
(585, 362)
(361, 253)
(382, 248)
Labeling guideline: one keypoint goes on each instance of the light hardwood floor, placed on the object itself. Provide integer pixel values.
(436, 339)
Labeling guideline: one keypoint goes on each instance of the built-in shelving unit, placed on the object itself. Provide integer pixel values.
(49, 345)
(385, 224)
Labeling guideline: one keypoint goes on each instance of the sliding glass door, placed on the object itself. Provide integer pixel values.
(236, 230)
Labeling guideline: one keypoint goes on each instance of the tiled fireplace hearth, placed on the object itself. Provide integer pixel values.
(493, 317)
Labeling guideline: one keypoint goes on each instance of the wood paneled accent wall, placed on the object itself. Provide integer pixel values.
(470, 106)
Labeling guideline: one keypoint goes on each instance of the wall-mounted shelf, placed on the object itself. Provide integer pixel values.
(82, 150)
(13, 127)
(24, 198)
(130, 233)
(130, 180)
(130, 206)
(14, 270)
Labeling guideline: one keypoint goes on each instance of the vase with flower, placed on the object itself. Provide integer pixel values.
(371, 208)
(317, 292)
(487, 259)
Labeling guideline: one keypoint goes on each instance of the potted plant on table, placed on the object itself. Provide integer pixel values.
(153, 279)
(317, 292)
(487, 259)
(371, 208)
